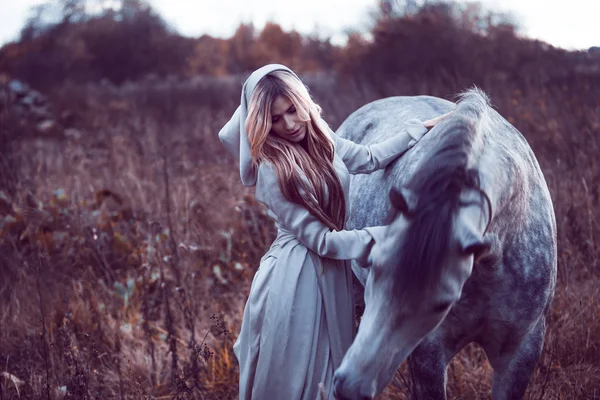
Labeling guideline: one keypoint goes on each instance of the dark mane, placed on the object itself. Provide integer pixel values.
(437, 186)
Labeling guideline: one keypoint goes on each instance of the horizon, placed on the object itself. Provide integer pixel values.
(571, 28)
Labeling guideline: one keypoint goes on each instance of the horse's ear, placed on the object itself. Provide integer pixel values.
(403, 200)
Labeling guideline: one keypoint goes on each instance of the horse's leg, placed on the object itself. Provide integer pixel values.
(513, 367)
(427, 366)
(428, 363)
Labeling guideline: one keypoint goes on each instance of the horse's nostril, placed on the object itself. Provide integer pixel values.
(337, 383)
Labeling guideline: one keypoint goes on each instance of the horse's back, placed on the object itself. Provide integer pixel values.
(373, 123)
(503, 150)
(380, 119)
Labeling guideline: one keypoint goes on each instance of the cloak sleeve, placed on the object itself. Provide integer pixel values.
(360, 159)
(308, 229)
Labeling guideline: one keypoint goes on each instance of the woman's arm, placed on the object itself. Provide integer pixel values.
(360, 159)
(309, 230)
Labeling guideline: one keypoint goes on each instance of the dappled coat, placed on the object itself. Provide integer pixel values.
(299, 321)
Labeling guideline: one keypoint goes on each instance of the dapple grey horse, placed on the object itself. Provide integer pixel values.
(469, 255)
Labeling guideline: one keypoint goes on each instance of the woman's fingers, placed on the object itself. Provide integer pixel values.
(430, 123)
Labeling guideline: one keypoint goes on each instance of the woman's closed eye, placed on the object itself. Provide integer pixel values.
(290, 110)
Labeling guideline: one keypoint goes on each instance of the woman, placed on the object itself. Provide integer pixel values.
(299, 318)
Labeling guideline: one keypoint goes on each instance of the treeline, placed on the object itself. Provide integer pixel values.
(459, 43)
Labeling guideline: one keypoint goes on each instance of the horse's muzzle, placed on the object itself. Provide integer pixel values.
(343, 390)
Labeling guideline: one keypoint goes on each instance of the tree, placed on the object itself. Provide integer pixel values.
(209, 56)
(275, 45)
(242, 55)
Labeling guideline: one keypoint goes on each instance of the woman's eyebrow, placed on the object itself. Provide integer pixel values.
(278, 115)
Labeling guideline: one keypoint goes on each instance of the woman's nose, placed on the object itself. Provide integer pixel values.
(289, 122)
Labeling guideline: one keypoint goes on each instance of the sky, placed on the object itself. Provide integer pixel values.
(571, 24)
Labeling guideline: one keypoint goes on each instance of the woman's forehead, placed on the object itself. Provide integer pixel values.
(280, 105)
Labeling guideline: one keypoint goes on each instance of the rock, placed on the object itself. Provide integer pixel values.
(45, 126)
(28, 105)
(72, 133)
(17, 87)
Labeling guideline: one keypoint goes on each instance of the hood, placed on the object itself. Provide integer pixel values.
(234, 136)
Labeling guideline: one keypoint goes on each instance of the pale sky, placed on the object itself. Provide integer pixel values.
(571, 24)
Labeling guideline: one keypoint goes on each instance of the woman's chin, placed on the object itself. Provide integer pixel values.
(299, 138)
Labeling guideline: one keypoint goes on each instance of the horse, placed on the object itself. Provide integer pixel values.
(469, 253)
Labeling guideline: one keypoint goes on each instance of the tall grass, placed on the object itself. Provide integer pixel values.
(128, 246)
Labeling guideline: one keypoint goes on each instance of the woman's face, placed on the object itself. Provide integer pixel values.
(285, 120)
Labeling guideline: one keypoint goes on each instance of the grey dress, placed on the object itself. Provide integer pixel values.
(299, 321)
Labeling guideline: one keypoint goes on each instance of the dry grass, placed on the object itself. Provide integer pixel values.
(117, 246)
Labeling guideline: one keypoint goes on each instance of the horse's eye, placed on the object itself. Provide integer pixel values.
(441, 307)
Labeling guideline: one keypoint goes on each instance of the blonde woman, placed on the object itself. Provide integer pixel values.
(299, 318)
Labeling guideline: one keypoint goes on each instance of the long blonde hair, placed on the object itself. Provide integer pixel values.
(306, 174)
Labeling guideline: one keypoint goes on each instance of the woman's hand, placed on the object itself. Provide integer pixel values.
(430, 123)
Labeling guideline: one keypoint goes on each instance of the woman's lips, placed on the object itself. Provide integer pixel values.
(297, 131)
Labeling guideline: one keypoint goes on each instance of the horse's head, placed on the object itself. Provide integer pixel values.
(418, 271)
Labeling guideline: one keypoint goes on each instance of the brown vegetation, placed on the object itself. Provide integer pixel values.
(125, 228)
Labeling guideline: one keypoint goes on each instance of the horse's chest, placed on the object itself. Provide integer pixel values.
(491, 298)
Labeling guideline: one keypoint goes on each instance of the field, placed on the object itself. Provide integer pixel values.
(128, 244)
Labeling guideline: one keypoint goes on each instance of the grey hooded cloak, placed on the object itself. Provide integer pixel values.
(299, 320)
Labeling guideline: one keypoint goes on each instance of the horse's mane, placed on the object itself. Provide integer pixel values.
(437, 186)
